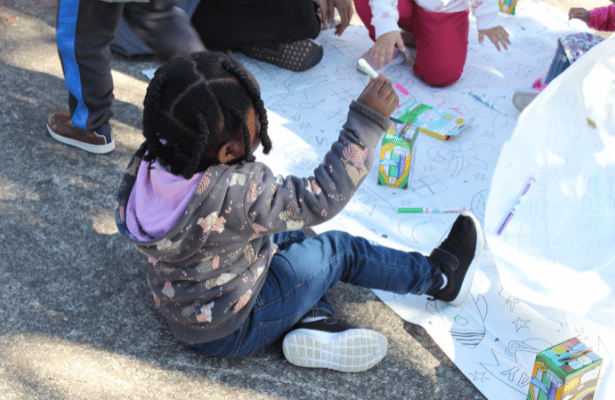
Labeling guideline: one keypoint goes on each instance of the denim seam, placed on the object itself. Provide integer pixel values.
(239, 342)
(228, 338)
(267, 325)
(283, 295)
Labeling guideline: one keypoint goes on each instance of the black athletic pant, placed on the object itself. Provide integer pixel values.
(85, 30)
(231, 24)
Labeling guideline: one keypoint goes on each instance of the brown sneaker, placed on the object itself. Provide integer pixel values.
(61, 129)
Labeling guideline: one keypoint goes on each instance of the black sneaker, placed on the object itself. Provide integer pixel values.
(296, 56)
(457, 257)
(332, 344)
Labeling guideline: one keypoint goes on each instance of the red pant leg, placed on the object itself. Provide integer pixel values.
(441, 45)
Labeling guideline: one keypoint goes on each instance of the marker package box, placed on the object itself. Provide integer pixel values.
(568, 370)
(443, 124)
(508, 6)
(396, 159)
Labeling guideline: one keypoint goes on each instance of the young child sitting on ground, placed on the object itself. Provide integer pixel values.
(227, 265)
(437, 28)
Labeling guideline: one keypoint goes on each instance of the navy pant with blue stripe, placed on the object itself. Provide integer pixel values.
(85, 30)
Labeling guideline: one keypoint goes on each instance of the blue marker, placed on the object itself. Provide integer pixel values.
(485, 102)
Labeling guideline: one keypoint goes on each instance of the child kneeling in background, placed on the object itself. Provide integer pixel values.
(437, 28)
(226, 264)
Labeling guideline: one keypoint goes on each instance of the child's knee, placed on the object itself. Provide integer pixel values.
(442, 78)
(440, 73)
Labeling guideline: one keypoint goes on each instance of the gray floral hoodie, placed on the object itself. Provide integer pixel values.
(206, 272)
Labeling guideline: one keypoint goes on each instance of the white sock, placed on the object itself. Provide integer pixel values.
(445, 282)
(312, 319)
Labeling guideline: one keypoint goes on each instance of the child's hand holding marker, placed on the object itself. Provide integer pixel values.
(366, 68)
(379, 95)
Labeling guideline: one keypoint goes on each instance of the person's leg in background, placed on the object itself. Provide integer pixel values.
(441, 44)
(85, 28)
(558, 65)
(232, 24)
(569, 49)
(441, 40)
(162, 26)
(85, 31)
(364, 12)
(523, 98)
(273, 31)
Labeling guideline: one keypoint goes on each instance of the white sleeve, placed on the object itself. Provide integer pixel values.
(384, 16)
(486, 13)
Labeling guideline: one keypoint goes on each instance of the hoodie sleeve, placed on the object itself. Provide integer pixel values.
(486, 13)
(603, 18)
(275, 204)
(384, 16)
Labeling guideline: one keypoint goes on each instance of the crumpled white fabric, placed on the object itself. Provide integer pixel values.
(558, 249)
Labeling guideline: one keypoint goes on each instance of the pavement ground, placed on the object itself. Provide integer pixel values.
(76, 316)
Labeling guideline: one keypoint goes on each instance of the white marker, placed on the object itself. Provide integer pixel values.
(365, 67)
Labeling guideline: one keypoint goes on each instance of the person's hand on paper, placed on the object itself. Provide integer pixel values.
(384, 48)
(380, 96)
(498, 36)
(344, 8)
(579, 13)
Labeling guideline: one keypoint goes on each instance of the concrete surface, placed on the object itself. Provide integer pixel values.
(76, 316)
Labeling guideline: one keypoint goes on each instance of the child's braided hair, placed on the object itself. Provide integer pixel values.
(196, 103)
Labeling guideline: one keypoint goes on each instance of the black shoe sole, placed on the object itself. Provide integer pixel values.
(296, 56)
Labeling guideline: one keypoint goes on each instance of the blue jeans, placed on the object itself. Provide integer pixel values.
(558, 65)
(576, 45)
(300, 274)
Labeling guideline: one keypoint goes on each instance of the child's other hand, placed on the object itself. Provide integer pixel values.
(380, 96)
(344, 8)
(497, 35)
(579, 13)
(384, 48)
